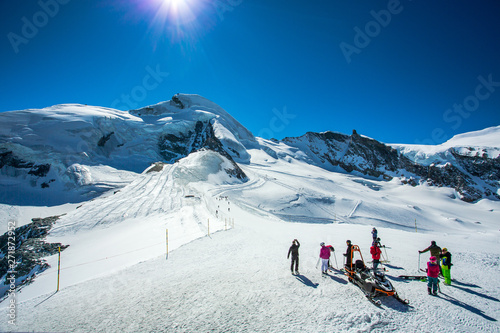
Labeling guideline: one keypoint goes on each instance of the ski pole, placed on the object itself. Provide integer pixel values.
(419, 261)
(317, 263)
(335, 256)
(386, 256)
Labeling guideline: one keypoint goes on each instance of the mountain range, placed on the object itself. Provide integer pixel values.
(70, 152)
(174, 217)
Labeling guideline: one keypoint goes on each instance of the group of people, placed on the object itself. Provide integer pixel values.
(439, 262)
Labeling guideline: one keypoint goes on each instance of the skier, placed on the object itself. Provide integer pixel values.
(324, 254)
(374, 234)
(435, 250)
(347, 255)
(375, 252)
(446, 265)
(432, 276)
(294, 250)
(332, 250)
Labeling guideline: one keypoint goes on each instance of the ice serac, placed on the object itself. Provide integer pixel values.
(473, 171)
(192, 122)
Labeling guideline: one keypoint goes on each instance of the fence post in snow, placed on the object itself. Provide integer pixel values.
(166, 242)
(58, 269)
(415, 225)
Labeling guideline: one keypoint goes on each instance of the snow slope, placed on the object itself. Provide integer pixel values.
(115, 276)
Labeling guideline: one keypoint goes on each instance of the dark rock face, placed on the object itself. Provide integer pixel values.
(24, 249)
(104, 139)
(473, 177)
(177, 102)
(174, 147)
(7, 158)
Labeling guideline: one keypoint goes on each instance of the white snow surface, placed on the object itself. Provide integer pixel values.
(227, 268)
(115, 276)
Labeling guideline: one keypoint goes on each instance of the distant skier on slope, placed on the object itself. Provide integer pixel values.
(432, 276)
(294, 250)
(374, 234)
(375, 252)
(446, 265)
(324, 254)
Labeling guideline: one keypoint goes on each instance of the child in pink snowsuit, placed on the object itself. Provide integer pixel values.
(432, 276)
(324, 254)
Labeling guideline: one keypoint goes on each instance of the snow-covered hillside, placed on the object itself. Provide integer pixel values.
(231, 206)
(478, 143)
(58, 154)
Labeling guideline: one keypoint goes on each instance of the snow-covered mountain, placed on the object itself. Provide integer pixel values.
(116, 181)
(68, 149)
(469, 167)
(61, 154)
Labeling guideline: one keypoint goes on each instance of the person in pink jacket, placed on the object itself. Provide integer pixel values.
(324, 254)
(432, 276)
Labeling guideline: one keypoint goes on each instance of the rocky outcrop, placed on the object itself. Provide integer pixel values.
(7, 158)
(474, 177)
(201, 136)
(23, 250)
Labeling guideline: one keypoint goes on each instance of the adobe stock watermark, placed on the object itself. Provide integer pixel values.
(11, 275)
(456, 115)
(372, 29)
(222, 6)
(139, 93)
(31, 26)
(277, 123)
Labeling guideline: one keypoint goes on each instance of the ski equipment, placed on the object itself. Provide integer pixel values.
(371, 284)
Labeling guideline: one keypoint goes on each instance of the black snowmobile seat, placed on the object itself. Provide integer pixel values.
(360, 266)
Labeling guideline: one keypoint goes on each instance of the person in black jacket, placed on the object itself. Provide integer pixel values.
(294, 250)
(446, 266)
(348, 254)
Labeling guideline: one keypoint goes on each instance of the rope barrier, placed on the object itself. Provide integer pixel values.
(102, 259)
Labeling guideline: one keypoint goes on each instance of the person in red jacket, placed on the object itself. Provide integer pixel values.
(375, 252)
(432, 276)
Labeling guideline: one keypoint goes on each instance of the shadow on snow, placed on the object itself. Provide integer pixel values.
(466, 306)
(476, 293)
(306, 281)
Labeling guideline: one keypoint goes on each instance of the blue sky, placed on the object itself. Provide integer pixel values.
(398, 71)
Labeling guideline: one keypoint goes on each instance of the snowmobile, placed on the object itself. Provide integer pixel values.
(373, 284)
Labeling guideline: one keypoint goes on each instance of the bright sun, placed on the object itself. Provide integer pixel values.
(180, 19)
(176, 8)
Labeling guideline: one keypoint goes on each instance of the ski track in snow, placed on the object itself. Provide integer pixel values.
(239, 281)
(115, 276)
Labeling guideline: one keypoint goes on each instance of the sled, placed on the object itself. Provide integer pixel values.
(372, 284)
